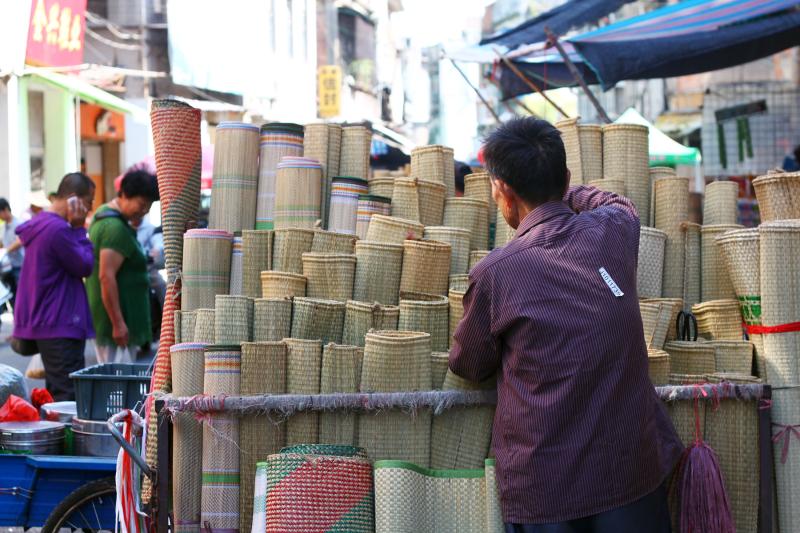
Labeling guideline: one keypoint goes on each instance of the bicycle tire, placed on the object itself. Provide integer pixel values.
(100, 488)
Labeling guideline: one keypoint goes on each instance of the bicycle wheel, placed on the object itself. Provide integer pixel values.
(88, 508)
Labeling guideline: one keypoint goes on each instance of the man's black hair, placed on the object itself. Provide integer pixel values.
(76, 183)
(4, 204)
(139, 183)
(528, 155)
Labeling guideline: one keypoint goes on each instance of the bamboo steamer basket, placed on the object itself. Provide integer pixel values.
(323, 142)
(277, 141)
(298, 193)
(650, 272)
(343, 203)
(419, 200)
(716, 283)
(672, 210)
(720, 205)
(590, 137)
(235, 183)
(428, 313)
(778, 196)
(378, 272)
(361, 317)
(572, 148)
(329, 276)
(275, 284)
(393, 230)
(426, 267)
(369, 205)
(356, 143)
(288, 249)
(459, 241)
(470, 214)
(615, 185)
(626, 155)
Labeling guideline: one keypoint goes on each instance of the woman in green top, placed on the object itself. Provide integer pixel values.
(118, 288)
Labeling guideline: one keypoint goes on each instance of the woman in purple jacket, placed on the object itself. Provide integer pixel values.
(52, 311)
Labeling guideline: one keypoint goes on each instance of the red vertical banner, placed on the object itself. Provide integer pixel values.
(56, 33)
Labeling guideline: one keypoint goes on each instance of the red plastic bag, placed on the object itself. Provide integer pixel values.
(39, 397)
(18, 410)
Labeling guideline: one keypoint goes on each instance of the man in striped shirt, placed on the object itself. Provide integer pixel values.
(582, 442)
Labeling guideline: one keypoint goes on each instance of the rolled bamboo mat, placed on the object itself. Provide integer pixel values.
(235, 184)
(478, 185)
(449, 170)
(460, 437)
(468, 213)
(276, 284)
(718, 320)
(329, 242)
(378, 270)
(656, 173)
(615, 185)
(716, 283)
(720, 205)
(459, 241)
(419, 200)
(263, 372)
(356, 144)
(260, 500)
(298, 193)
(426, 267)
(272, 319)
(323, 142)
(439, 367)
(735, 357)
(341, 372)
(206, 267)
(369, 205)
(329, 276)
(688, 357)
(288, 249)
(396, 361)
(177, 327)
(476, 256)
(626, 155)
(459, 282)
(221, 481)
(303, 372)
(785, 417)
(427, 313)
(778, 196)
(427, 162)
(673, 306)
(683, 414)
(188, 364)
(235, 286)
(382, 187)
(658, 366)
(456, 299)
(503, 232)
(692, 265)
(188, 321)
(233, 319)
(256, 258)
(343, 203)
(494, 514)
(361, 317)
(205, 326)
(278, 140)
(315, 319)
(672, 209)
(393, 230)
(591, 143)
(572, 147)
(650, 272)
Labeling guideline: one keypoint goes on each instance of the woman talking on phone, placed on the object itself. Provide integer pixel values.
(52, 313)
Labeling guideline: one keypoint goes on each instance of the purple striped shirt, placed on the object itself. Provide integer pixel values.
(579, 429)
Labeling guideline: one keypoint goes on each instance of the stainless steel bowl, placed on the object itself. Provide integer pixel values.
(65, 411)
(39, 438)
(92, 438)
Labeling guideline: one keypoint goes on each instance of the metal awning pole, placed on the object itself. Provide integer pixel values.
(488, 106)
(528, 82)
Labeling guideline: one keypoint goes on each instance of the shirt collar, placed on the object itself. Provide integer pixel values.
(542, 214)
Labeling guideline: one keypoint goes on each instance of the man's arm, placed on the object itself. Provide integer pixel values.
(16, 245)
(475, 354)
(584, 198)
(74, 252)
(110, 263)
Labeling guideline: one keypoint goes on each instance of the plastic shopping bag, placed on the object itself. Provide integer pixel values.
(35, 368)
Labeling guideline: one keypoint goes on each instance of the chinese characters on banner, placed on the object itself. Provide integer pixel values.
(56, 33)
(329, 91)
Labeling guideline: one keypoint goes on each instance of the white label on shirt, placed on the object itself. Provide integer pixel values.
(611, 283)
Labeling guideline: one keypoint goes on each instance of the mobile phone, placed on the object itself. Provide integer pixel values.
(74, 203)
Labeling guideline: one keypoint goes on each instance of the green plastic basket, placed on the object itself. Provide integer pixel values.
(102, 391)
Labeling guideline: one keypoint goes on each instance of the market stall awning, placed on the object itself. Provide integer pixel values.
(663, 149)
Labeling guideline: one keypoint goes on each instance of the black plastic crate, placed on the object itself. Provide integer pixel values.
(102, 391)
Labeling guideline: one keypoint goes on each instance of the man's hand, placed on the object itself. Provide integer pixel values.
(76, 212)
(120, 334)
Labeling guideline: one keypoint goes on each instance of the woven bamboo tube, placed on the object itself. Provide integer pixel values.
(456, 299)
(256, 258)
(449, 170)
(786, 413)
(658, 366)
(459, 241)
(316, 319)
(687, 357)
(278, 140)
(418, 199)
(735, 356)
(206, 267)
(378, 270)
(778, 196)
(427, 313)
(656, 173)
(383, 187)
(329, 242)
(468, 213)
(459, 282)
(396, 361)
(503, 232)
(341, 372)
(427, 162)
(323, 142)
(303, 371)
(615, 185)
(288, 249)
(650, 272)
(205, 326)
(177, 327)
(298, 193)
(272, 319)
(591, 145)
(356, 144)
(188, 321)
(672, 209)
(263, 372)
(572, 147)
(343, 203)
(626, 155)
(235, 285)
(720, 205)
(369, 205)
(360, 317)
(692, 265)
(426, 267)
(716, 283)
(475, 257)
(276, 284)
(233, 319)
(718, 320)
(479, 185)
(233, 193)
(439, 364)
(329, 276)
(667, 327)
(393, 230)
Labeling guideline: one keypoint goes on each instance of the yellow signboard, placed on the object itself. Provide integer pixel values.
(329, 91)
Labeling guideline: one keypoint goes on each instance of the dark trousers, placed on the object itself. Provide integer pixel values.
(649, 514)
(60, 358)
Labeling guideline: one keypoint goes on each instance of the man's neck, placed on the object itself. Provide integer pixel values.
(59, 207)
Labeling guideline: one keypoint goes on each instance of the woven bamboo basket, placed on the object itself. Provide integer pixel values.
(341, 372)
(233, 193)
(459, 241)
(468, 213)
(383, 187)
(330, 276)
(427, 313)
(272, 319)
(720, 205)
(426, 267)
(356, 143)
(479, 185)
(786, 414)
(459, 282)
(278, 140)
(718, 320)
(476, 256)
(263, 372)
(393, 230)
(692, 265)
(572, 147)
(256, 258)
(303, 372)
(591, 144)
(439, 367)
(667, 327)
(233, 319)
(658, 366)
(378, 270)
(687, 357)
(428, 163)
(778, 196)
(369, 205)
(418, 199)
(626, 155)
(503, 232)
(456, 299)
(205, 326)
(276, 284)
(298, 193)
(494, 515)
(716, 283)
(343, 202)
(672, 209)
(289, 247)
(656, 173)
(177, 327)
(734, 357)
(449, 171)
(361, 317)
(650, 313)
(328, 242)
(615, 185)
(235, 285)
(188, 321)
(650, 272)
(323, 142)
(206, 267)
(316, 319)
